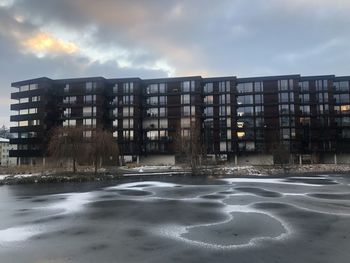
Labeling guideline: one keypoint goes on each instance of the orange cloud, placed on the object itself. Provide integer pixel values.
(45, 43)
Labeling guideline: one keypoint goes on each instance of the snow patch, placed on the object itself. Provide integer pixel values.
(247, 170)
(16, 234)
(74, 202)
(2, 177)
(265, 181)
(154, 167)
(142, 185)
(26, 175)
(176, 232)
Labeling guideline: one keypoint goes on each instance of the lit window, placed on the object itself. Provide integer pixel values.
(240, 135)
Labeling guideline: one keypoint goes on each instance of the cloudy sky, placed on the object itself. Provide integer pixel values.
(155, 38)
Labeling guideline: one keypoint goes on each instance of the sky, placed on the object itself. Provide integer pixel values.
(155, 39)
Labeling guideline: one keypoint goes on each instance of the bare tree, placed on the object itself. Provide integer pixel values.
(190, 147)
(281, 154)
(103, 146)
(67, 143)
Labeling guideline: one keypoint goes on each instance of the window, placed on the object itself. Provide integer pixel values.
(152, 88)
(245, 87)
(23, 88)
(285, 134)
(208, 88)
(88, 87)
(344, 109)
(163, 123)
(258, 98)
(23, 112)
(89, 111)
(115, 88)
(35, 98)
(185, 99)
(305, 109)
(70, 123)
(115, 123)
(283, 97)
(185, 122)
(152, 100)
(162, 100)
(150, 124)
(188, 86)
(208, 111)
(66, 88)
(128, 111)
(128, 87)
(247, 99)
(128, 135)
(304, 98)
(304, 86)
(70, 100)
(152, 135)
(89, 98)
(344, 98)
(245, 111)
(224, 86)
(222, 110)
(67, 112)
(128, 99)
(23, 100)
(89, 122)
(284, 108)
(128, 123)
(285, 121)
(258, 86)
(321, 85)
(23, 123)
(162, 88)
(283, 84)
(222, 99)
(186, 111)
(33, 86)
(341, 86)
(152, 112)
(208, 99)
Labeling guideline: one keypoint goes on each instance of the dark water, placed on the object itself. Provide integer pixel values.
(178, 219)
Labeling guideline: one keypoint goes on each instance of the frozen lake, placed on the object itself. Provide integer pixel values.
(178, 219)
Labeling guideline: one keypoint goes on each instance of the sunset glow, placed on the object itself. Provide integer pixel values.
(45, 43)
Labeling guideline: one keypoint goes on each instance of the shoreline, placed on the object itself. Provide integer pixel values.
(154, 171)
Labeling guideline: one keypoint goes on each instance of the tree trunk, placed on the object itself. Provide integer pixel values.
(74, 166)
(95, 165)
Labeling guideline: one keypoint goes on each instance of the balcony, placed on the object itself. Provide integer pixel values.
(33, 140)
(26, 94)
(35, 128)
(24, 117)
(25, 153)
(27, 105)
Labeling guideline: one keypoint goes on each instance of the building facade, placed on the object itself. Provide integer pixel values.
(5, 147)
(243, 120)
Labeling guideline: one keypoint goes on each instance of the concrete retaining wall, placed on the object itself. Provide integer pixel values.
(343, 158)
(255, 159)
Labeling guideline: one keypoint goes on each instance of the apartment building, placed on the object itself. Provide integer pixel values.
(241, 120)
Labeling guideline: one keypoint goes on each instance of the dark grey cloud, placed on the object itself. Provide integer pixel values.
(154, 38)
